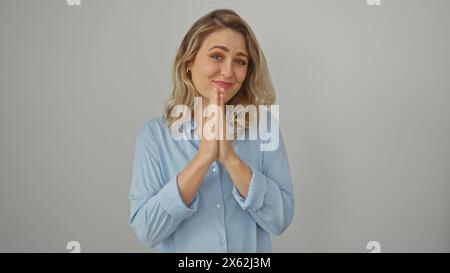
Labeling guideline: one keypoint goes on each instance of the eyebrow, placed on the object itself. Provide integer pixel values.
(224, 48)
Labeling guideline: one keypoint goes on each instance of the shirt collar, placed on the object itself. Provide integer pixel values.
(189, 125)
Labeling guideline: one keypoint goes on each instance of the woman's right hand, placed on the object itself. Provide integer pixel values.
(191, 177)
(209, 144)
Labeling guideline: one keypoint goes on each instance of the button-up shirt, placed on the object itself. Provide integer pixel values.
(219, 219)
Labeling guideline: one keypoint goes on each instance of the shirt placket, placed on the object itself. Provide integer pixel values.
(220, 215)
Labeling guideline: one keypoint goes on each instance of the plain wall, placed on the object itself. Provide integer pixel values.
(364, 95)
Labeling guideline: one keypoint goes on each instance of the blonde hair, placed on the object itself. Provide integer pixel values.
(257, 88)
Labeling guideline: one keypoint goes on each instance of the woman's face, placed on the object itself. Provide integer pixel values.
(221, 61)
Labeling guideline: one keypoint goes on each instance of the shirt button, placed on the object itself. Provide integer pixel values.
(222, 241)
(214, 169)
(219, 205)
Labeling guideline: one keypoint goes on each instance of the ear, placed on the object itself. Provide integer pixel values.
(188, 70)
(189, 65)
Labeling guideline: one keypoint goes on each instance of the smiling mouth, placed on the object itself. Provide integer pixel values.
(222, 84)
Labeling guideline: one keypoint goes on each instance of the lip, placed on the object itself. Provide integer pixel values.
(223, 84)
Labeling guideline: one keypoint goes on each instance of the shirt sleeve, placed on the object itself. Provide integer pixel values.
(270, 197)
(157, 208)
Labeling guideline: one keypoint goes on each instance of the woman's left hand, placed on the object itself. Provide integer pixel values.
(226, 152)
(239, 172)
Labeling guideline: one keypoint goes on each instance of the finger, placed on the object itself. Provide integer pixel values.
(222, 97)
(211, 115)
(216, 96)
(222, 121)
(214, 104)
(218, 113)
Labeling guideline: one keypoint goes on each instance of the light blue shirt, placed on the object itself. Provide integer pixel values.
(219, 219)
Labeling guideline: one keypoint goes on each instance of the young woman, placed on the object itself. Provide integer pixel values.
(203, 194)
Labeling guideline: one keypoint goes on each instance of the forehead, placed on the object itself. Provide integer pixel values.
(229, 38)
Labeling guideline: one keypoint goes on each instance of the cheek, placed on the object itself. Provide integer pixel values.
(204, 72)
(210, 70)
(240, 75)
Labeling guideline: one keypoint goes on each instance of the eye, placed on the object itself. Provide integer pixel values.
(216, 57)
(241, 62)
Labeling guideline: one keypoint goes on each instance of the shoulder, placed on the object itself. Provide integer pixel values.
(155, 124)
(152, 130)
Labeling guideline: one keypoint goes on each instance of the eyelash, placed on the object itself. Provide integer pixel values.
(241, 62)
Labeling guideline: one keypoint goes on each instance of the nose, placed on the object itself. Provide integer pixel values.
(226, 69)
